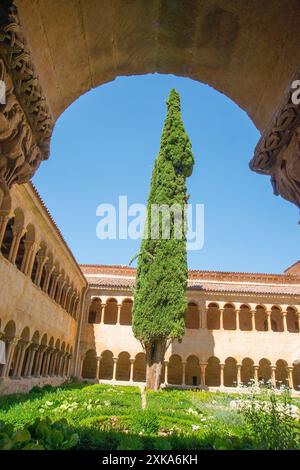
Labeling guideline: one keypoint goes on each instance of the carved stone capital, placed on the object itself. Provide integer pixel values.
(278, 151)
(25, 120)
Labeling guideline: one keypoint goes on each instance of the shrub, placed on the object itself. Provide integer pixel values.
(42, 434)
(145, 422)
(271, 422)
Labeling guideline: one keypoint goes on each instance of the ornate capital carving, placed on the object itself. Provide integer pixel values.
(25, 120)
(278, 151)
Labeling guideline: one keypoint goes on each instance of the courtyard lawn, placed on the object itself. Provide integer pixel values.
(110, 417)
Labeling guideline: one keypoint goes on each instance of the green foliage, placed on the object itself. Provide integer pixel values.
(109, 418)
(145, 422)
(42, 434)
(271, 422)
(160, 294)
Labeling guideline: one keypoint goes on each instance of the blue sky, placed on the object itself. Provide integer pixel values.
(105, 143)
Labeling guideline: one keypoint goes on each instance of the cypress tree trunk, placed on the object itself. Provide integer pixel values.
(155, 353)
(161, 282)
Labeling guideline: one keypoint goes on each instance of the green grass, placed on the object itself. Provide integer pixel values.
(110, 417)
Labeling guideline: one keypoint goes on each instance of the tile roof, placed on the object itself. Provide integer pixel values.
(208, 281)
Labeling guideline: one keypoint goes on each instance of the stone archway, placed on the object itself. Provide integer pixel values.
(232, 46)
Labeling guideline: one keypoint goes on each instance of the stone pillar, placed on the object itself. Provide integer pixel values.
(10, 350)
(269, 320)
(290, 376)
(238, 320)
(183, 373)
(256, 368)
(38, 362)
(23, 348)
(222, 374)
(98, 367)
(45, 371)
(131, 369)
(17, 235)
(221, 319)
(49, 268)
(3, 224)
(202, 373)
(299, 322)
(41, 262)
(55, 276)
(60, 284)
(28, 361)
(284, 321)
(31, 259)
(203, 318)
(273, 377)
(28, 248)
(166, 372)
(253, 312)
(69, 364)
(115, 359)
(239, 375)
(119, 313)
(35, 348)
(81, 365)
(102, 313)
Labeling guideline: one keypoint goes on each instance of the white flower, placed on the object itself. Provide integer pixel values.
(195, 427)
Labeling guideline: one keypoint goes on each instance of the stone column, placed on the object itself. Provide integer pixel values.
(239, 375)
(273, 377)
(102, 313)
(203, 317)
(256, 368)
(35, 348)
(28, 247)
(69, 365)
(38, 363)
(131, 369)
(41, 262)
(48, 353)
(23, 348)
(30, 355)
(98, 367)
(290, 376)
(31, 259)
(269, 320)
(17, 235)
(10, 350)
(49, 268)
(115, 359)
(284, 321)
(183, 373)
(253, 312)
(3, 224)
(299, 322)
(222, 374)
(55, 276)
(166, 372)
(119, 313)
(202, 373)
(238, 320)
(221, 319)
(60, 283)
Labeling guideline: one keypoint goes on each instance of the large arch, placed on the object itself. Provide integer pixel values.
(208, 41)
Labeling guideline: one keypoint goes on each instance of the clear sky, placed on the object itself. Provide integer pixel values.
(105, 143)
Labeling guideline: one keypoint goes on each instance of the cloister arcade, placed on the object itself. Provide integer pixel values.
(20, 246)
(216, 316)
(191, 371)
(199, 369)
(33, 354)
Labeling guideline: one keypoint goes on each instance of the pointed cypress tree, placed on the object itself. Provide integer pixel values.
(160, 294)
